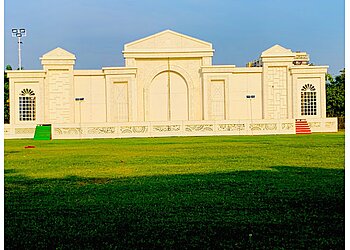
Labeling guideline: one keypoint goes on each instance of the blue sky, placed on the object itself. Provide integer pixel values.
(95, 31)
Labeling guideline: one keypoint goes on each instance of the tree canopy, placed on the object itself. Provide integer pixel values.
(6, 97)
(335, 89)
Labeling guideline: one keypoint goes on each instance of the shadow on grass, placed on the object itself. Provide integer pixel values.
(9, 171)
(288, 207)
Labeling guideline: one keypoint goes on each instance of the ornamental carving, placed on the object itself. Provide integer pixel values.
(263, 126)
(68, 131)
(287, 126)
(330, 124)
(198, 128)
(24, 130)
(231, 127)
(308, 87)
(101, 130)
(27, 92)
(133, 129)
(314, 124)
(166, 128)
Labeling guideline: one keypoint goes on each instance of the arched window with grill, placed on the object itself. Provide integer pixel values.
(27, 105)
(308, 100)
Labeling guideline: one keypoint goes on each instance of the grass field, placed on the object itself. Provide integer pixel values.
(257, 192)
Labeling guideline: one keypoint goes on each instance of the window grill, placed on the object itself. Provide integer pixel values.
(27, 105)
(308, 100)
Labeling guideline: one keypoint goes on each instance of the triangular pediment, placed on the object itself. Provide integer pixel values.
(167, 40)
(58, 53)
(277, 50)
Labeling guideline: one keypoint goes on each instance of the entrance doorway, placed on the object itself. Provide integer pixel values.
(168, 97)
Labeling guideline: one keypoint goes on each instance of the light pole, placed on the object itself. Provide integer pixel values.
(169, 92)
(250, 97)
(79, 99)
(19, 33)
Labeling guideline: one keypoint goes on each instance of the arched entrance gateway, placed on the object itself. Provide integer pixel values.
(168, 97)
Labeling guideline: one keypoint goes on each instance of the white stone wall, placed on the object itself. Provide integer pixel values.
(180, 128)
(169, 77)
(277, 105)
(92, 87)
(60, 98)
(187, 69)
(248, 82)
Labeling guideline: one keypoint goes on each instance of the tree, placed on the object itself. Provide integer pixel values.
(6, 96)
(335, 89)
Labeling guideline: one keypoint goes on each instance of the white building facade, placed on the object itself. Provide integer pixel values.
(169, 87)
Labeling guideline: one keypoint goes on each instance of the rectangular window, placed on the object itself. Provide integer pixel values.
(308, 103)
(27, 108)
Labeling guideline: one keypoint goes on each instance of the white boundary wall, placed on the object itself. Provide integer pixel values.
(163, 129)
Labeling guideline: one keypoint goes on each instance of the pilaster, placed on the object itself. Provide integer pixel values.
(59, 86)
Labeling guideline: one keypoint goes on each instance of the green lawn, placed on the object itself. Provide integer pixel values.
(239, 192)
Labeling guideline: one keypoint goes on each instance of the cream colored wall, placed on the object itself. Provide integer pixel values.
(166, 40)
(168, 100)
(277, 83)
(216, 81)
(187, 68)
(59, 95)
(91, 86)
(139, 91)
(314, 75)
(150, 56)
(59, 88)
(238, 83)
(244, 84)
(182, 128)
(121, 81)
(167, 44)
(31, 79)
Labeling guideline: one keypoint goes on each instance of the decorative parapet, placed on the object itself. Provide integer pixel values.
(18, 131)
(68, 131)
(323, 124)
(24, 130)
(314, 124)
(101, 130)
(330, 124)
(199, 128)
(288, 126)
(181, 128)
(263, 126)
(166, 128)
(133, 129)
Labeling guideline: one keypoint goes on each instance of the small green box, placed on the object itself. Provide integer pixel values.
(43, 132)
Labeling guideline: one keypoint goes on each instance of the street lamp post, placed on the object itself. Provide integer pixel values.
(79, 99)
(250, 97)
(19, 33)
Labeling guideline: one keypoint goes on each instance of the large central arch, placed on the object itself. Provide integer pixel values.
(160, 99)
(168, 97)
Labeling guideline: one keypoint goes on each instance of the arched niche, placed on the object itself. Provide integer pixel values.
(156, 96)
(168, 102)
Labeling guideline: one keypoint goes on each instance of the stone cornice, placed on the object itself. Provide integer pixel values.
(168, 53)
(308, 69)
(119, 70)
(25, 73)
